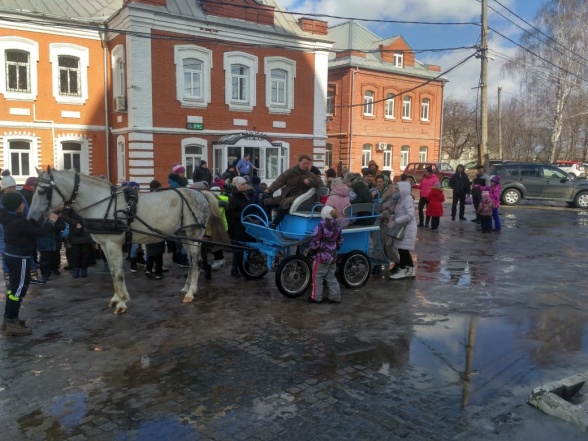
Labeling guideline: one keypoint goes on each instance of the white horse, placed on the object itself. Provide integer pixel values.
(183, 212)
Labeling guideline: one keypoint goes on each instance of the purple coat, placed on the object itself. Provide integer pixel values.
(327, 238)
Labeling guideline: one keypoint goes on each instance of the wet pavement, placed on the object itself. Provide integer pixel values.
(453, 354)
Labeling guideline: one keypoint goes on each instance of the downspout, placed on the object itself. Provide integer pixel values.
(442, 114)
(351, 116)
(46, 121)
(106, 101)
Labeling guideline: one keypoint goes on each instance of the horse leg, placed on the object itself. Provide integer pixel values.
(192, 281)
(114, 255)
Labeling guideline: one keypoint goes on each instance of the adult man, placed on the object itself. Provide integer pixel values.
(202, 174)
(294, 182)
(244, 166)
(460, 183)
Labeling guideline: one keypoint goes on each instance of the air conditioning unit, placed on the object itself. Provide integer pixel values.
(381, 146)
(120, 103)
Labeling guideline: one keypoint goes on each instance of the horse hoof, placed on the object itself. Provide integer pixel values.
(120, 310)
(188, 299)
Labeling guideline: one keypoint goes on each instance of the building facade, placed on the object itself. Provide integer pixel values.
(130, 87)
(382, 104)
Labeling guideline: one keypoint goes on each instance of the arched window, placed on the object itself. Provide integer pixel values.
(404, 155)
(406, 107)
(389, 106)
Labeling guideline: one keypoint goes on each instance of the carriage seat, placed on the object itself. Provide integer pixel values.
(308, 204)
(368, 213)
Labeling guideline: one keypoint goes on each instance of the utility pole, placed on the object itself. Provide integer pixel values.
(484, 87)
(499, 126)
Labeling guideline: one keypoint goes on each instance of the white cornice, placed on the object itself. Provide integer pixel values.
(52, 30)
(47, 126)
(201, 133)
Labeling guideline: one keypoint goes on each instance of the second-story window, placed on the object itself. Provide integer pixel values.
(192, 78)
(425, 107)
(330, 103)
(406, 107)
(389, 106)
(278, 87)
(69, 76)
(368, 103)
(239, 76)
(17, 71)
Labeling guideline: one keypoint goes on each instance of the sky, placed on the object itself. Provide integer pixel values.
(464, 80)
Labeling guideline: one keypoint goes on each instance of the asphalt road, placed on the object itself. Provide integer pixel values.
(453, 354)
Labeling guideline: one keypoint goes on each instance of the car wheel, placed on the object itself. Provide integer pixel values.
(445, 183)
(511, 196)
(582, 200)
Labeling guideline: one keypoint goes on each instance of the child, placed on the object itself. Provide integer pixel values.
(477, 186)
(495, 196)
(484, 212)
(19, 239)
(327, 238)
(155, 250)
(435, 206)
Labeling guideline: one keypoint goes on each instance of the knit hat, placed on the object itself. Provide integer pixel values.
(8, 181)
(437, 184)
(203, 162)
(496, 179)
(154, 184)
(178, 168)
(327, 212)
(237, 181)
(256, 180)
(11, 201)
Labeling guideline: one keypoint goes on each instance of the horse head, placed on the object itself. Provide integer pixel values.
(52, 186)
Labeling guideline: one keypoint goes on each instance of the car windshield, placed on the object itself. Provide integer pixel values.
(445, 167)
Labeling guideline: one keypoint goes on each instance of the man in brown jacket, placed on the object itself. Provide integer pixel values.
(294, 182)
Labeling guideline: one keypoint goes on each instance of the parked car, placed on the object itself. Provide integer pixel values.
(521, 180)
(471, 170)
(416, 170)
(575, 168)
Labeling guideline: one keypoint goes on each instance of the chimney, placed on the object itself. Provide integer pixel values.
(317, 27)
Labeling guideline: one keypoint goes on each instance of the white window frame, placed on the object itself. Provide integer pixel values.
(203, 55)
(425, 109)
(119, 80)
(289, 66)
(329, 155)
(121, 158)
(389, 106)
(194, 142)
(404, 155)
(366, 154)
(423, 153)
(387, 161)
(406, 107)
(25, 45)
(330, 103)
(250, 62)
(72, 50)
(368, 103)
(84, 152)
(20, 178)
(398, 59)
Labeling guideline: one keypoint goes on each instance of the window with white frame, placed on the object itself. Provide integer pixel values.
(20, 57)
(279, 73)
(366, 155)
(398, 59)
(193, 70)
(388, 158)
(368, 103)
(423, 154)
(389, 106)
(425, 107)
(73, 154)
(406, 107)
(240, 75)
(404, 154)
(193, 152)
(329, 155)
(69, 66)
(20, 156)
(330, 103)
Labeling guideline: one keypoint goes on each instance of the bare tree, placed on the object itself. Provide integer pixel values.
(551, 63)
(459, 128)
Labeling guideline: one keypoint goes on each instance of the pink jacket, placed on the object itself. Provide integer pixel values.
(426, 184)
(339, 200)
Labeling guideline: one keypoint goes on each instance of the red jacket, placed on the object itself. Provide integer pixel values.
(426, 184)
(435, 202)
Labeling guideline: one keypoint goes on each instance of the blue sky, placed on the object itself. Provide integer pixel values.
(462, 82)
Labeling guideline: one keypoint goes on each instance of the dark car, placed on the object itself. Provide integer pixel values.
(416, 170)
(521, 180)
(471, 167)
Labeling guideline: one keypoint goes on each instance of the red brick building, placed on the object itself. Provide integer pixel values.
(127, 88)
(382, 104)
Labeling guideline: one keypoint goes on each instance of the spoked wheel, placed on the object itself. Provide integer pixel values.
(294, 275)
(355, 269)
(253, 265)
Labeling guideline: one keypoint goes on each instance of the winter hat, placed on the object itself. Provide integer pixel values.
(7, 180)
(256, 180)
(11, 201)
(429, 169)
(331, 173)
(154, 184)
(437, 184)
(485, 193)
(133, 184)
(328, 212)
(496, 179)
(30, 183)
(202, 185)
(203, 162)
(218, 182)
(246, 177)
(238, 181)
(178, 168)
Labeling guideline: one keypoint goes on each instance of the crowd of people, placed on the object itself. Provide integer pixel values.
(32, 252)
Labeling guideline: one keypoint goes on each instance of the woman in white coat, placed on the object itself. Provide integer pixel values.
(404, 214)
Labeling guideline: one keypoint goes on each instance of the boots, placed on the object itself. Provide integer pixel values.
(427, 221)
(83, 273)
(3, 327)
(134, 267)
(75, 273)
(36, 279)
(15, 328)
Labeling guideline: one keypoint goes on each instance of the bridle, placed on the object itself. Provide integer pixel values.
(51, 185)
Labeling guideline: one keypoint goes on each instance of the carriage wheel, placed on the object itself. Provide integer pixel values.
(253, 265)
(294, 276)
(355, 269)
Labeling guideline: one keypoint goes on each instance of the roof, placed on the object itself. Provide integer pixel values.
(94, 10)
(351, 35)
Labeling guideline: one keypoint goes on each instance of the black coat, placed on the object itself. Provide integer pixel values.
(202, 174)
(77, 236)
(20, 235)
(460, 183)
(237, 203)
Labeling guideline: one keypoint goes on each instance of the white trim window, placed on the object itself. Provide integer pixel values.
(69, 68)
(279, 84)
(73, 154)
(423, 154)
(119, 79)
(193, 67)
(425, 108)
(20, 57)
(194, 150)
(120, 159)
(366, 155)
(387, 163)
(329, 155)
(389, 106)
(330, 103)
(398, 59)
(368, 103)
(240, 74)
(19, 156)
(404, 154)
(406, 107)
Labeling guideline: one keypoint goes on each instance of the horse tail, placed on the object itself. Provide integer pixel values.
(216, 224)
